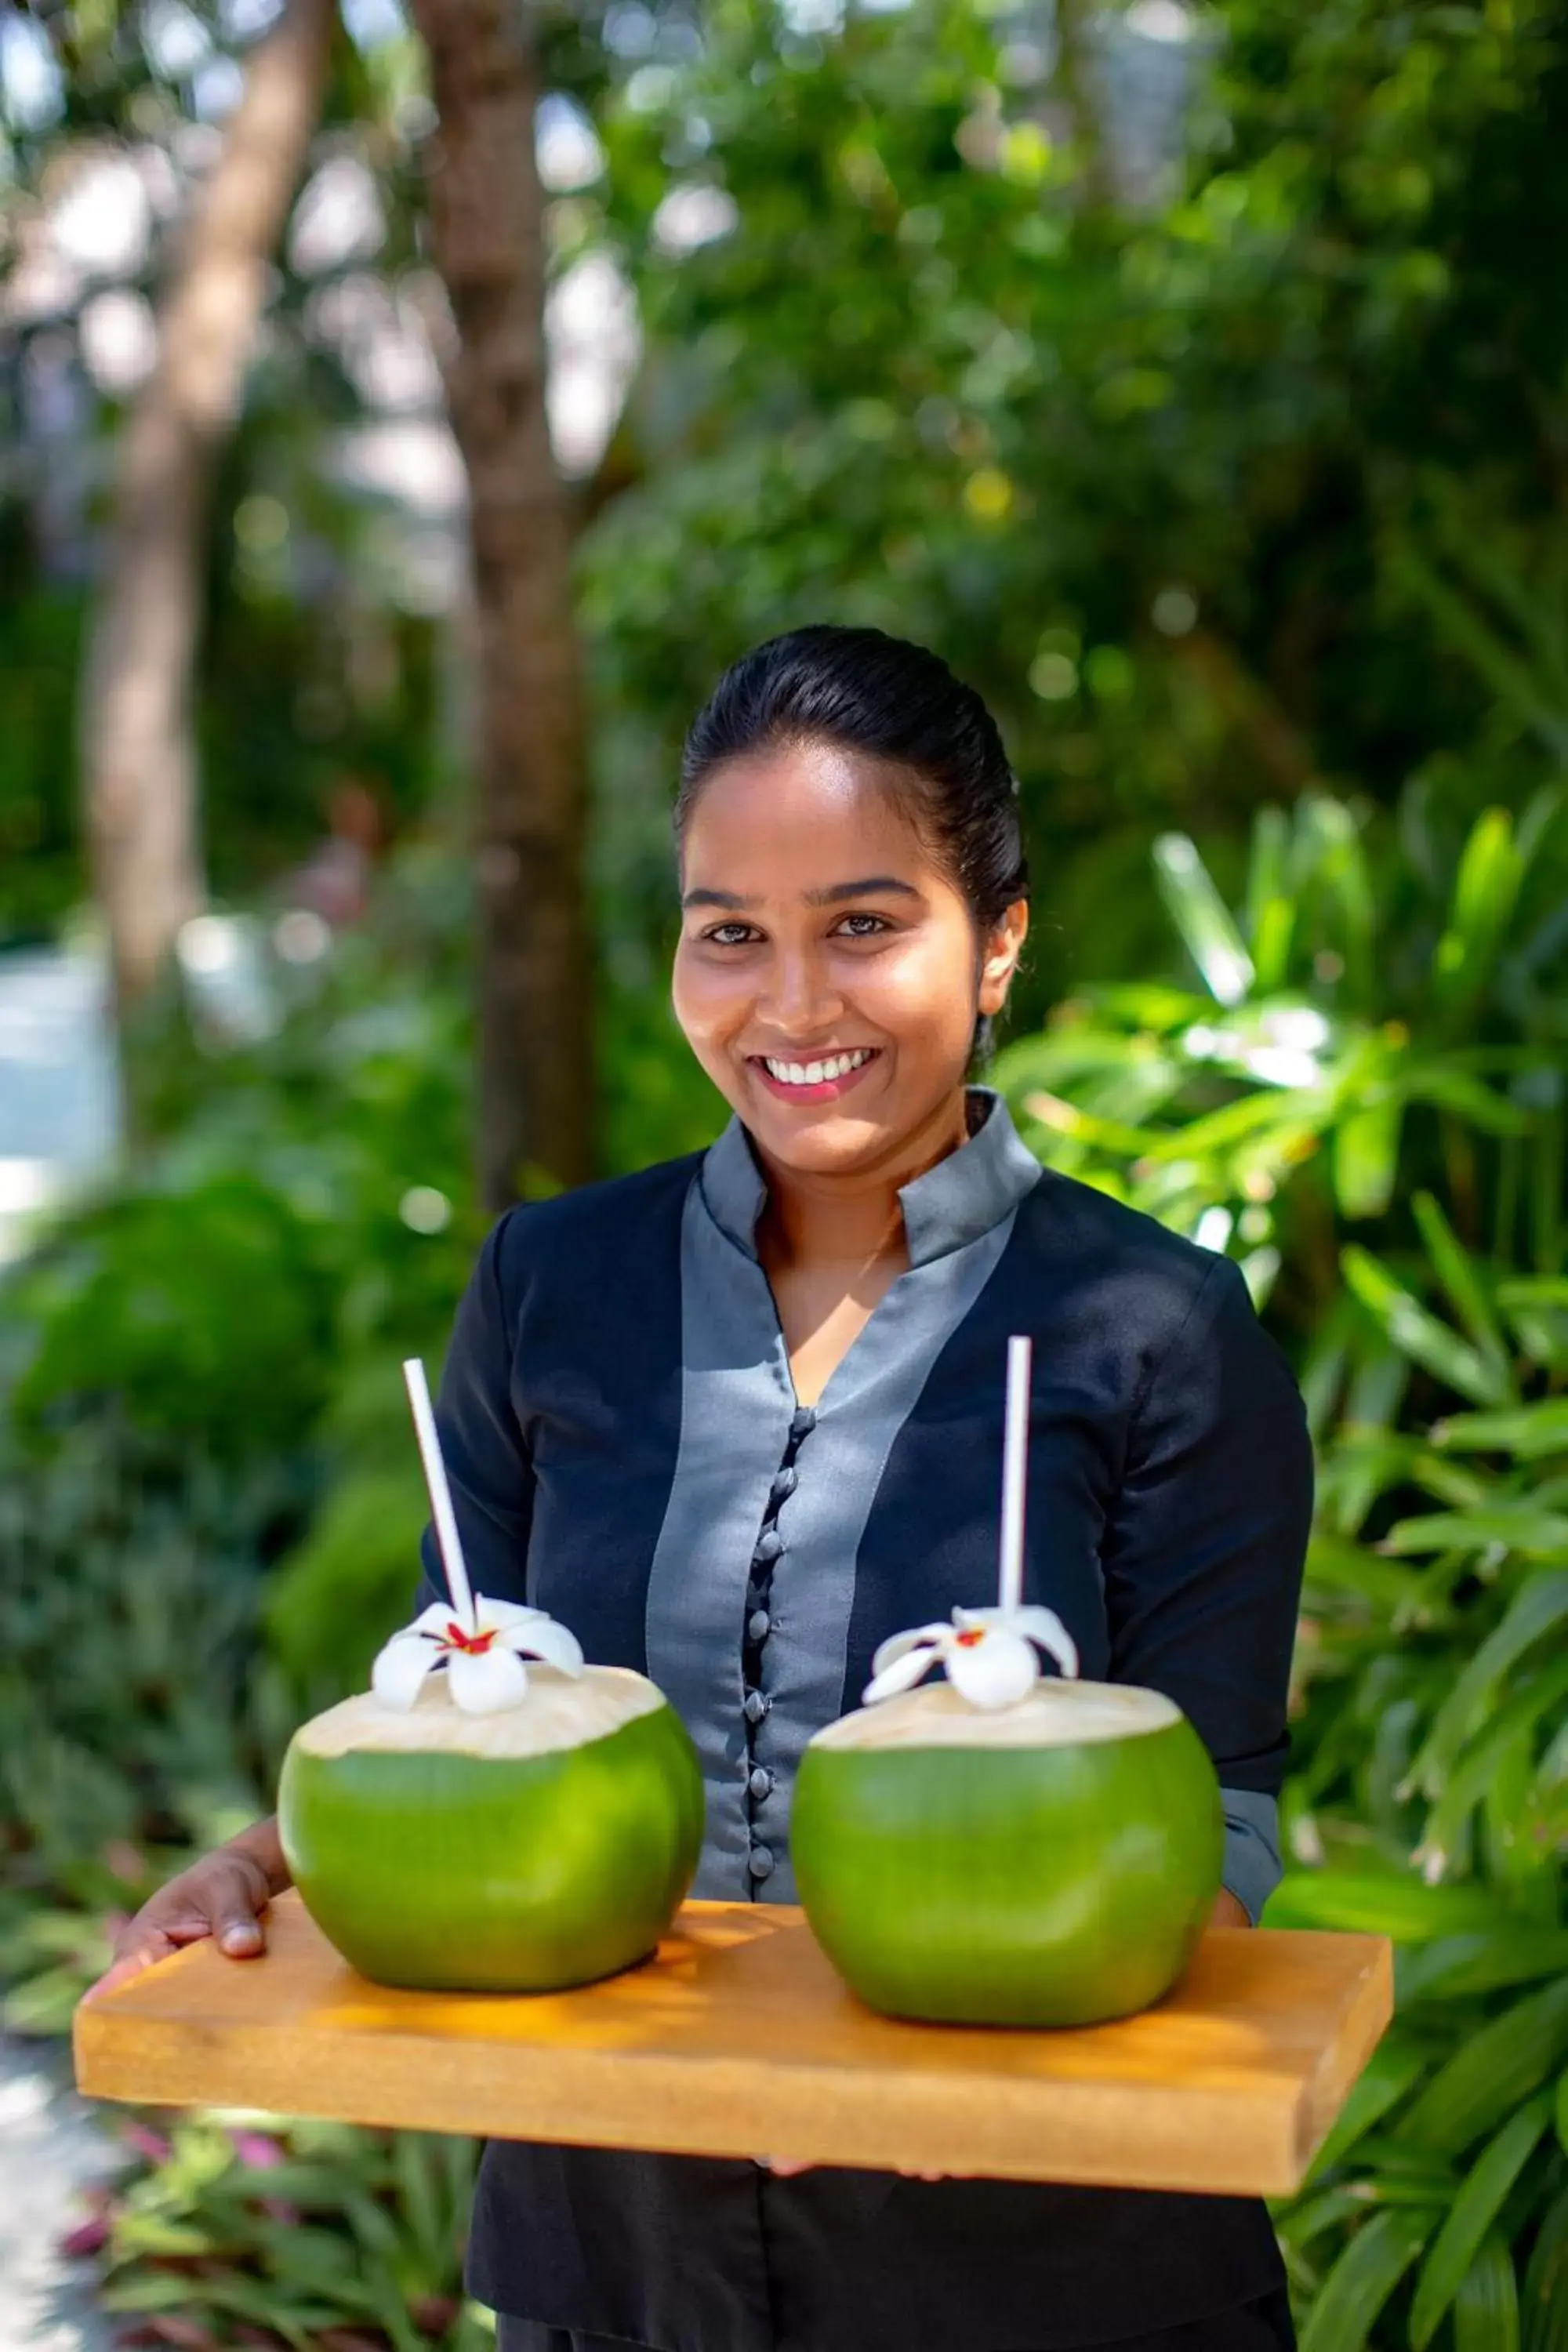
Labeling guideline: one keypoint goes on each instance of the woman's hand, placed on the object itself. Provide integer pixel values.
(1227, 1912)
(223, 1895)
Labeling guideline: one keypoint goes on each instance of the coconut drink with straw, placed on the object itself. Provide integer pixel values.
(474, 1822)
(998, 1848)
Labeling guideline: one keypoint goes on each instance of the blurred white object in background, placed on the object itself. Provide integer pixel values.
(223, 961)
(59, 1101)
(51, 2149)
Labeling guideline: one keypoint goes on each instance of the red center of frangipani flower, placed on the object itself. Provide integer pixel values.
(967, 1640)
(474, 1644)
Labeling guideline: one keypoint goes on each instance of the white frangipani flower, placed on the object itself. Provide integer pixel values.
(484, 1667)
(989, 1654)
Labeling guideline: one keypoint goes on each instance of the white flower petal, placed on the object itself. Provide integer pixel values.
(1044, 1626)
(543, 1638)
(901, 1674)
(996, 1671)
(434, 1620)
(1041, 1625)
(399, 1672)
(897, 1643)
(486, 1681)
(503, 1613)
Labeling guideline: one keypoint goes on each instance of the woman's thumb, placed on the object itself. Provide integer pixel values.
(238, 1931)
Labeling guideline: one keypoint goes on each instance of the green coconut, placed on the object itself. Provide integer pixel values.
(541, 1845)
(1049, 1863)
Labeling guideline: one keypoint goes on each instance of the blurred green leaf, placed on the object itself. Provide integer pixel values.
(1544, 2304)
(1389, 2074)
(1474, 1775)
(1203, 918)
(1491, 2074)
(1530, 1432)
(1470, 2217)
(1366, 1158)
(1402, 1907)
(1419, 1333)
(1366, 2274)
(1486, 2306)
(1537, 1610)
(1461, 1279)
(1520, 1527)
(1494, 1960)
(1485, 894)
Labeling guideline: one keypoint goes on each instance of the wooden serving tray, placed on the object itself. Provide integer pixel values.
(737, 2039)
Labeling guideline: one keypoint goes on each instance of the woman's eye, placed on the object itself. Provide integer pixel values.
(864, 927)
(729, 935)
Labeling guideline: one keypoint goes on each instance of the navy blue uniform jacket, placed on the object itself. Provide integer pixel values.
(627, 1452)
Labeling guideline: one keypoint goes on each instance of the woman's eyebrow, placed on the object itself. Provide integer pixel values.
(871, 885)
(874, 885)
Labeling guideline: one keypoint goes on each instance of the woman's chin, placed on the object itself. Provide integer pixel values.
(818, 1139)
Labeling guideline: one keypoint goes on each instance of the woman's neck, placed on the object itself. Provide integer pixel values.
(853, 1219)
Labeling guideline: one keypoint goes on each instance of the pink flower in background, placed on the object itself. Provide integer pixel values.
(87, 2238)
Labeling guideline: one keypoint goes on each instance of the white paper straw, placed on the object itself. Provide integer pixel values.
(440, 1493)
(1014, 1466)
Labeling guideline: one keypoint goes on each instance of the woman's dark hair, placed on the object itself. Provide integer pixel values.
(900, 704)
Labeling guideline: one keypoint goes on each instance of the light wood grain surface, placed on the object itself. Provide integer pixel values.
(738, 2040)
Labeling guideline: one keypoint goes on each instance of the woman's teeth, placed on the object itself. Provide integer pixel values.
(815, 1074)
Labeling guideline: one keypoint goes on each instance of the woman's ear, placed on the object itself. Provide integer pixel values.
(1000, 960)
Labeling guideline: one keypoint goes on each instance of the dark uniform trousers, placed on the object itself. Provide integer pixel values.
(1261, 2327)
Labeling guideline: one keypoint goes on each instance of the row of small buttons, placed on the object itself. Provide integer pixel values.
(760, 1622)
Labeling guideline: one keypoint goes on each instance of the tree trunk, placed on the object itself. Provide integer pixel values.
(535, 1003)
(138, 751)
(1072, 81)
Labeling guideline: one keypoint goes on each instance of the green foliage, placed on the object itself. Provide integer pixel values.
(320, 662)
(37, 846)
(1200, 479)
(138, 1726)
(191, 1363)
(1436, 1730)
(1169, 475)
(209, 1301)
(1378, 1052)
(349, 1585)
(1381, 1014)
(210, 1455)
(293, 2234)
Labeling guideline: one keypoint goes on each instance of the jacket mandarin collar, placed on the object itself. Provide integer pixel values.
(964, 1196)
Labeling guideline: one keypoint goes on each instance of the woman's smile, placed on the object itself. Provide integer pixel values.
(815, 1077)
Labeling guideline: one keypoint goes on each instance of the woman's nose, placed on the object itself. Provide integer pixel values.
(803, 995)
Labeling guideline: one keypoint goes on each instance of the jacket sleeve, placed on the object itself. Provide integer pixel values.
(1204, 1556)
(488, 1465)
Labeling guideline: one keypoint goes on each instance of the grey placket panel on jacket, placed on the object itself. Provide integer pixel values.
(738, 1402)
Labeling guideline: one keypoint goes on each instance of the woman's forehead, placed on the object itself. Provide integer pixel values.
(793, 813)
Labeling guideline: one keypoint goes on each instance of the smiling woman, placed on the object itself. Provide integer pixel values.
(736, 1422)
(854, 898)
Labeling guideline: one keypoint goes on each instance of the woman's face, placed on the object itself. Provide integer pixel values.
(830, 973)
